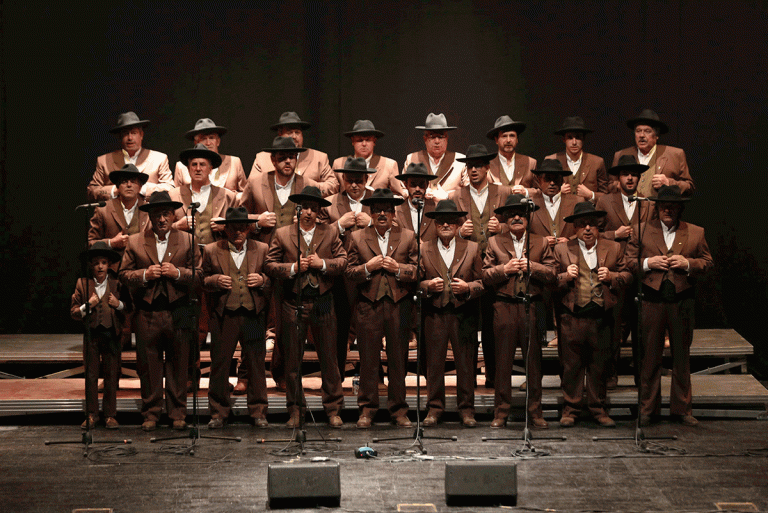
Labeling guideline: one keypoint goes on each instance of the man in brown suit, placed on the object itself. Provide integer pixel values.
(480, 198)
(382, 263)
(312, 165)
(229, 174)
(505, 276)
(162, 269)
(238, 291)
(364, 136)
(667, 165)
(588, 178)
(440, 162)
(674, 253)
(591, 274)
(509, 167)
(130, 131)
(416, 179)
(322, 260)
(452, 281)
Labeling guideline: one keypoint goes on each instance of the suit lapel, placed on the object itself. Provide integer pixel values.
(217, 200)
(143, 154)
(150, 246)
(617, 204)
(458, 256)
(118, 159)
(602, 254)
(521, 168)
(267, 186)
(372, 239)
(681, 238)
(174, 242)
(223, 255)
(118, 215)
(394, 241)
(573, 248)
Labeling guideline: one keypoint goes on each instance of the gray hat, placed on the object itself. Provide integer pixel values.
(364, 127)
(505, 124)
(128, 120)
(436, 123)
(290, 119)
(205, 126)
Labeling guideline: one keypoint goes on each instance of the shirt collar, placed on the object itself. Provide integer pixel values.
(286, 186)
(650, 153)
(450, 246)
(481, 191)
(203, 190)
(569, 159)
(554, 198)
(382, 237)
(584, 246)
(233, 249)
(505, 161)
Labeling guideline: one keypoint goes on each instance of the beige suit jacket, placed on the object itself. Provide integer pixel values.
(383, 178)
(670, 162)
(221, 199)
(150, 162)
(257, 198)
(312, 165)
(451, 173)
(339, 207)
(541, 222)
(231, 174)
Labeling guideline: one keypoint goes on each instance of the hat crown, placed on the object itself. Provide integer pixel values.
(550, 166)
(100, 245)
(584, 209)
(669, 193)
(355, 165)
(383, 195)
(283, 143)
(159, 197)
(130, 168)
(436, 122)
(627, 160)
(417, 168)
(127, 118)
(573, 124)
(311, 190)
(236, 214)
(447, 206)
(502, 121)
(203, 123)
(362, 125)
(477, 151)
(648, 114)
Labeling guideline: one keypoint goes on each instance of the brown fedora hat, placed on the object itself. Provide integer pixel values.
(383, 196)
(445, 207)
(128, 171)
(670, 193)
(416, 170)
(285, 144)
(478, 152)
(160, 199)
(552, 166)
(584, 209)
(355, 165)
(235, 215)
(516, 203)
(310, 193)
(627, 163)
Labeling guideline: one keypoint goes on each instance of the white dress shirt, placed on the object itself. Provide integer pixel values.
(508, 166)
(283, 191)
(101, 289)
(447, 253)
(238, 256)
(590, 255)
(552, 204)
(644, 159)
(201, 197)
(629, 206)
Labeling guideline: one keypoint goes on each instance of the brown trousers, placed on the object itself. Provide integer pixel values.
(104, 346)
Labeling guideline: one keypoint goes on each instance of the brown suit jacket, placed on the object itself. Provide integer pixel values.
(312, 165)
(524, 166)
(540, 220)
(616, 217)
(83, 293)
(404, 220)
(451, 173)
(339, 207)
(231, 174)
(689, 242)
(141, 252)
(221, 199)
(402, 248)
(593, 173)
(216, 262)
(257, 198)
(108, 221)
(501, 249)
(670, 162)
(609, 254)
(467, 265)
(150, 162)
(383, 178)
(284, 251)
(497, 195)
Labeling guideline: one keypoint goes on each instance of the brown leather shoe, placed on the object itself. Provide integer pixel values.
(92, 419)
(364, 422)
(686, 420)
(112, 423)
(260, 422)
(499, 422)
(430, 420)
(149, 425)
(538, 423)
(567, 421)
(612, 383)
(606, 421)
(335, 421)
(468, 421)
(178, 425)
(402, 421)
(293, 422)
(645, 420)
(239, 389)
(216, 423)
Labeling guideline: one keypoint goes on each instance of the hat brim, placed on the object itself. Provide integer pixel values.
(486, 157)
(436, 128)
(286, 150)
(517, 127)
(435, 214)
(506, 209)
(395, 200)
(565, 130)
(148, 207)
(564, 172)
(663, 128)
(632, 168)
(194, 153)
(301, 124)
(140, 123)
(111, 255)
(223, 220)
(118, 176)
(211, 129)
(403, 176)
(595, 213)
(376, 133)
(298, 198)
(676, 199)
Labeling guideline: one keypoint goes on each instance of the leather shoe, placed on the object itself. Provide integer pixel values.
(293, 422)
(112, 423)
(686, 420)
(216, 423)
(240, 387)
(92, 419)
(430, 420)
(178, 425)
(538, 423)
(468, 421)
(260, 422)
(402, 421)
(567, 421)
(612, 383)
(149, 425)
(364, 422)
(335, 421)
(499, 422)
(645, 420)
(605, 421)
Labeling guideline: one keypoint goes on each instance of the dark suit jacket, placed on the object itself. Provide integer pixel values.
(108, 221)
(339, 207)
(141, 252)
(402, 248)
(609, 254)
(257, 198)
(689, 242)
(524, 165)
(501, 249)
(616, 217)
(404, 220)
(670, 162)
(383, 178)
(216, 262)
(497, 195)
(540, 220)
(150, 162)
(284, 252)
(467, 265)
(84, 290)
(593, 172)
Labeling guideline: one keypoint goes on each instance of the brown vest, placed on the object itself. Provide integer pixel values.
(644, 187)
(446, 295)
(590, 288)
(101, 314)
(384, 288)
(309, 278)
(285, 212)
(554, 223)
(133, 226)
(239, 296)
(203, 233)
(480, 222)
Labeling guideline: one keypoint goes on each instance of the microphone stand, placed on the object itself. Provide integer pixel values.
(638, 355)
(527, 299)
(86, 275)
(418, 434)
(194, 431)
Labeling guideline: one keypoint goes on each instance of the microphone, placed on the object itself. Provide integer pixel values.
(195, 205)
(632, 199)
(418, 203)
(91, 205)
(298, 209)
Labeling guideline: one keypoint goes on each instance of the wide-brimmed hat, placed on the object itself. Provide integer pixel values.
(364, 127)
(650, 118)
(290, 119)
(383, 196)
(310, 193)
(200, 152)
(505, 124)
(627, 163)
(445, 207)
(552, 166)
(573, 124)
(235, 215)
(101, 248)
(285, 144)
(127, 120)
(516, 203)
(436, 123)
(670, 193)
(128, 171)
(478, 152)
(584, 209)
(205, 126)
(416, 170)
(355, 165)
(160, 199)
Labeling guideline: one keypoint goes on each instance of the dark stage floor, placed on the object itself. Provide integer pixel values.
(720, 461)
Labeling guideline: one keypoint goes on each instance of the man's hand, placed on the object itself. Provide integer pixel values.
(390, 265)
(153, 272)
(118, 241)
(572, 272)
(362, 220)
(516, 265)
(348, 220)
(375, 263)
(658, 180)
(519, 189)
(435, 285)
(560, 240)
(113, 301)
(315, 262)
(267, 220)
(466, 229)
(493, 225)
(565, 188)
(659, 263)
(678, 262)
(459, 287)
(551, 241)
(183, 223)
(169, 270)
(224, 282)
(603, 274)
(584, 191)
(93, 300)
(254, 280)
(624, 232)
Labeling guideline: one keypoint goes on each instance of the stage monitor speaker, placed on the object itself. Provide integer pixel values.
(303, 485)
(480, 483)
